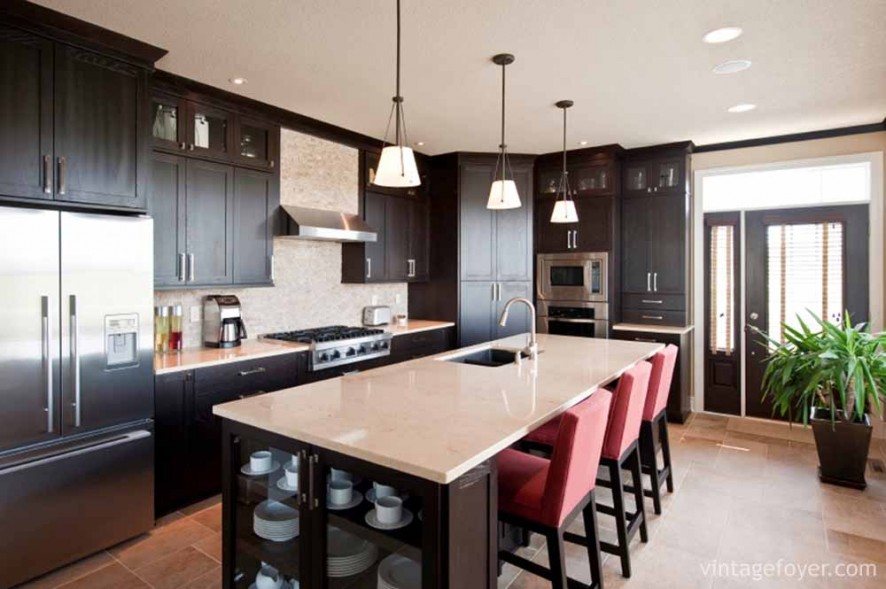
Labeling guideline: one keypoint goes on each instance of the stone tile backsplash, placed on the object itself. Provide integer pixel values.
(308, 291)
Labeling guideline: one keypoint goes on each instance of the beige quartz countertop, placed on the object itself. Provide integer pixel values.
(436, 419)
(671, 329)
(191, 358)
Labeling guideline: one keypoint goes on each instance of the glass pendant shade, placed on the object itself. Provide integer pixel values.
(503, 195)
(397, 168)
(564, 212)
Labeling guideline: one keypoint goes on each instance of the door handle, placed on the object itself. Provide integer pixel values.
(368, 267)
(75, 359)
(47, 362)
(182, 262)
(191, 271)
(62, 185)
(47, 174)
(649, 282)
(655, 281)
(754, 316)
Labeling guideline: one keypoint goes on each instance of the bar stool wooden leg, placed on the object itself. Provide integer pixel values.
(557, 556)
(649, 463)
(593, 542)
(621, 525)
(634, 460)
(666, 452)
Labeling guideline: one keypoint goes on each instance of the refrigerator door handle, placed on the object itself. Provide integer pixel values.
(75, 360)
(124, 439)
(47, 362)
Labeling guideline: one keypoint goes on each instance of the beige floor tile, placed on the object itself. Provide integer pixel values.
(159, 543)
(741, 484)
(210, 517)
(853, 514)
(70, 572)
(113, 576)
(857, 547)
(177, 569)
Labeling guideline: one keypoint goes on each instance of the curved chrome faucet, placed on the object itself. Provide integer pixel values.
(532, 349)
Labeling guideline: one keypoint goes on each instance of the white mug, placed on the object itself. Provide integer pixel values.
(340, 492)
(268, 578)
(340, 475)
(260, 461)
(295, 464)
(383, 490)
(291, 475)
(389, 510)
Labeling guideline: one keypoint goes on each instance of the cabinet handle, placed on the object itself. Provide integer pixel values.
(649, 189)
(255, 394)
(655, 281)
(649, 282)
(191, 270)
(182, 262)
(47, 174)
(62, 185)
(654, 317)
(651, 302)
(191, 147)
(312, 466)
(182, 146)
(75, 359)
(645, 339)
(47, 362)
(258, 370)
(368, 267)
(575, 239)
(569, 240)
(302, 461)
(271, 164)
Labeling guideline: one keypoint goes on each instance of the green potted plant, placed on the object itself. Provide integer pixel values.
(830, 375)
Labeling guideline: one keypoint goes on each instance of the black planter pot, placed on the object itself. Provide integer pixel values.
(842, 449)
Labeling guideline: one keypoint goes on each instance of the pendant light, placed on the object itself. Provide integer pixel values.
(503, 192)
(564, 208)
(396, 167)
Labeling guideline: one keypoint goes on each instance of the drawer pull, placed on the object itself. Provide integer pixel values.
(258, 370)
(651, 302)
(645, 339)
(255, 394)
(655, 317)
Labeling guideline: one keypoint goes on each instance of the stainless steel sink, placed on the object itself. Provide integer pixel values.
(489, 357)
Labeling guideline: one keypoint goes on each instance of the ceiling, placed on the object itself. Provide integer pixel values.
(637, 70)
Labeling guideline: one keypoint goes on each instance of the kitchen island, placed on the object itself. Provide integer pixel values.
(430, 428)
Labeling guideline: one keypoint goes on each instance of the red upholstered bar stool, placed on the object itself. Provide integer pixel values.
(546, 495)
(654, 427)
(621, 451)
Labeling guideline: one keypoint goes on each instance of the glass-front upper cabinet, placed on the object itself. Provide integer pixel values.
(636, 178)
(270, 548)
(669, 174)
(548, 181)
(168, 122)
(210, 130)
(591, 179)
(256, 142)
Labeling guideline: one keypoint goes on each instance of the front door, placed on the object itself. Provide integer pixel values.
(800, 261)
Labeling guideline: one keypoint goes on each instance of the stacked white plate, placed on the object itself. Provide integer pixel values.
(348, 554)
(399, 572)
(275, 521)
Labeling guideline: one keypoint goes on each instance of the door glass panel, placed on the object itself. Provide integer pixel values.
(669, 175)
(548, 181)
(567, 275)
(254, 142)
(373, 533)
(805, 274)
(166, 117)
(722, 289)
(591, 178)
(636, 178)
(210, 131)
(267, 528)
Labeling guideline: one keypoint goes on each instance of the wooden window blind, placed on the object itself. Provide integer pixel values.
(722, 289)
(805, 270)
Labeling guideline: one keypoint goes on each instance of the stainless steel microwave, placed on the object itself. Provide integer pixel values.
(573, 277)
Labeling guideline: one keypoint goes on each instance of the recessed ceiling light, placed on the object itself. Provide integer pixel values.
(722, 35)
(582, 142)
(743, 107)
(237, 81)
(732, 66)
(420, 143)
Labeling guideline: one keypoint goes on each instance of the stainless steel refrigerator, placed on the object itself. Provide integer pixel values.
(76, 386)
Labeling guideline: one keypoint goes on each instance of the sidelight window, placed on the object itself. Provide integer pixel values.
(722, 289)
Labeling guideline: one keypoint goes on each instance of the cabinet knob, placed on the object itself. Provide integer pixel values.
(182, 146)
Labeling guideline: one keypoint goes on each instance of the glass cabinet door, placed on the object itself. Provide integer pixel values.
(268, 532)
(373, 531)
(548, 181)
(209, 130)
(669, 174)
(636, 178)
(255, 142)
(167, 122)
(591, 179)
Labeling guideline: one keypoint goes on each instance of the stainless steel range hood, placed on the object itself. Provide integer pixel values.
(308, 223)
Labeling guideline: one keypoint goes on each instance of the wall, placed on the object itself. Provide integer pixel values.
(307, 289)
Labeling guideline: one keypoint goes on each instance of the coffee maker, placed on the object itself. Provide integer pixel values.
(222, 322)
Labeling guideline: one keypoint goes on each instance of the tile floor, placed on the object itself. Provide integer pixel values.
(746, 492)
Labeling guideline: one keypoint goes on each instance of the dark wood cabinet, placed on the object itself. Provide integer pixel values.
(478, 304)
(592, 233)
(173, 397)
(678, 407)
(26, 156)
(74, 124)
(655, 236)
(400, 252)
(212, 223)
(369, 164)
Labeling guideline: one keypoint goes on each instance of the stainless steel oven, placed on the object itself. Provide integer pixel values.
(575, 318)
(573, 277)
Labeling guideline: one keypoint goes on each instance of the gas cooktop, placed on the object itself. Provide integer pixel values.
(338, 344)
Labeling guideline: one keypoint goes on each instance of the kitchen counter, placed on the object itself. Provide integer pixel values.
(435, 419)
(673, 329)
(191, 358)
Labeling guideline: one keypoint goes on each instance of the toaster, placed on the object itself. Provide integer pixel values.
(376, 315)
